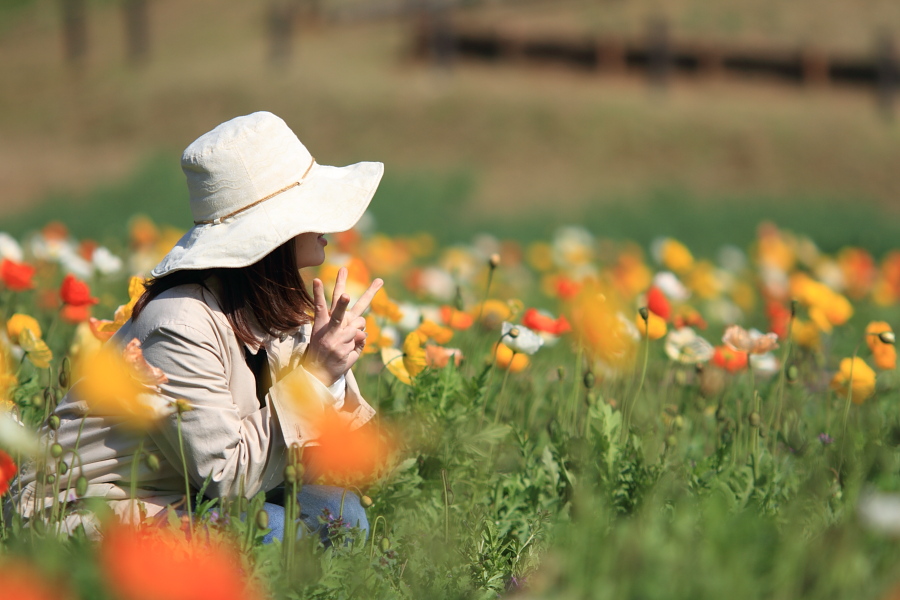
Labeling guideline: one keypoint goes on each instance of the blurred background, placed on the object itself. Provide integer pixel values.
(634, 118)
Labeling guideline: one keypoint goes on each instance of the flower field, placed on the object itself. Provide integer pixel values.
(571, 418)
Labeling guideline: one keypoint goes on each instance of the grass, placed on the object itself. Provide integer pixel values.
(442, 203)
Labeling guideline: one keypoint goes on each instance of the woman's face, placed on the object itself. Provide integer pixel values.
(310, 249)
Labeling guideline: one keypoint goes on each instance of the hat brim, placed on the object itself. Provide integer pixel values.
(329, 200)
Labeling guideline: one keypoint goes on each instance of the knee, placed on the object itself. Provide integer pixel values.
(338, 502)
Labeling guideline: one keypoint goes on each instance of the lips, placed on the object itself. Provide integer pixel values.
(322, 239)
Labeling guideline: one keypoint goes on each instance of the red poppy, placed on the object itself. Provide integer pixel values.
(75, 292)
(688, 317)
(779, 318)
(658, 303)
(534, 319)
(160, 563)
(7, 471)
(75, 314)
(566, 288)
(16, 276)
(730, 360)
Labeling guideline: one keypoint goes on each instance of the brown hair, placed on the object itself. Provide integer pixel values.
(270, 290)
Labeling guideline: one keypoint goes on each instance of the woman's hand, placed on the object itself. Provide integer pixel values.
(338, 335)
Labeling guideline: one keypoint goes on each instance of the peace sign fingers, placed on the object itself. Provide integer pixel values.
(366, 299)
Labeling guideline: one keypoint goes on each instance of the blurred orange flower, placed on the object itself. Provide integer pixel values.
(75, 314)
(75, 292)
(456, 319)
(538, 321)
(385, 307)
(438, 357)
(806, 334)
(675, 256)
(506, 359)
(883, 351)
(156, 563)
(7, 472)
(103, 329)
(17, 277)
(861, 382)
(599, 324)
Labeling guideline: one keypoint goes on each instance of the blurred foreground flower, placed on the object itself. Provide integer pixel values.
(20, 581)
(599, 324)
(685, 346)
(880, 339)
(122, 384)
(157, 564)
(36, 349)
(862, 385)
(8, 470)
(348, 456)
(105, 329)
(752, 341)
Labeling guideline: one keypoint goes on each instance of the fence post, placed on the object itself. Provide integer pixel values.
(74, 30)
(280, 28)
(814, 67)
(888, 70)
(136, 30)
(659, 52)
(610, 54)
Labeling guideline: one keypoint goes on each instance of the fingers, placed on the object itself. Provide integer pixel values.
(363, 303)
(340, 283)
(353, 330)
(340, 308)
(321, 305)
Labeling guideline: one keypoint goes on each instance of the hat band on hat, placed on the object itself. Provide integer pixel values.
(218, 220)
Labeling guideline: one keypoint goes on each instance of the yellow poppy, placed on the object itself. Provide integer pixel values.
(862, 383)
(20, 322)
(654, 328)
(431, 330)
(36, 349)
(675, 256)
(509, 360)
(409, 362)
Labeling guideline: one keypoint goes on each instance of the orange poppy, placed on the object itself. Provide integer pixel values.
(509, 360)
(730, 360)
(349, 456)
(21, 581)
(883, 351)
(456, 319)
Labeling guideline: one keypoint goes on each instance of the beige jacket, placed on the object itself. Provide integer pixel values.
(227, 435)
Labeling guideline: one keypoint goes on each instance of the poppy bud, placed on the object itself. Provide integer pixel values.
(458, 299)
(589, 380)
(63, 468)
(513, 333)
(887, 337)
(679, 422)
(53, 422)
(152, 462)
(721, 415)
(262, 519)
(671, 441)
(385, 544)
(81, 485)
(494, 260)
(37, 401)
(56, 450)
(290, 474)
(645, 314)
(792, 373)
(366, 501)
(183, 406)
(51, 478)
(561, 373)
(793, 308)
(753, 419)
(49, 396)
(64, 373)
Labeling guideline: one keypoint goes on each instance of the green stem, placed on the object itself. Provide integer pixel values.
(374, 530)
(847, 410)
(573, 406)
(500, 396)
(187, 481)
(136, 461)
(785, 356)
(629, 412)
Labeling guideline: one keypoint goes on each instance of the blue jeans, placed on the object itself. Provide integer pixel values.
(314, 500)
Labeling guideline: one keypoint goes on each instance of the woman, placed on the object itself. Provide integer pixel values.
(228, 320)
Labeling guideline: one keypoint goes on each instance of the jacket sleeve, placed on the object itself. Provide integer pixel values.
(241, 453)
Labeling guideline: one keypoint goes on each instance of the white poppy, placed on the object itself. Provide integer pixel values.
(521, 339)
(685, 346)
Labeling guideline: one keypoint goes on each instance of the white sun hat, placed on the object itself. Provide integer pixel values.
(253, 186)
